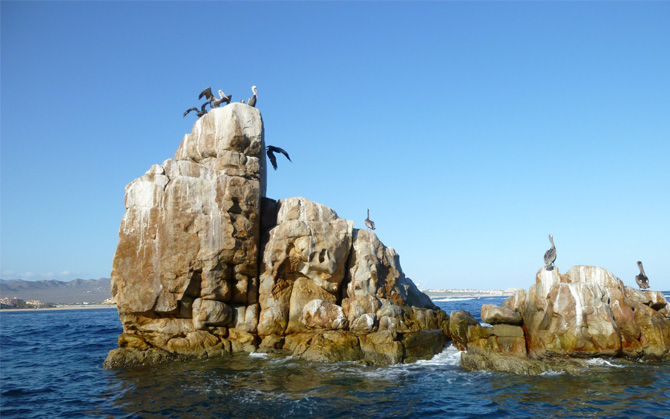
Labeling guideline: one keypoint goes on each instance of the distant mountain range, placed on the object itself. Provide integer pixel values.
(58, 292)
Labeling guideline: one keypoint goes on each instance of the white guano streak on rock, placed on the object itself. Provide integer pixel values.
(311, 239)
(142, 197)
(579, 304)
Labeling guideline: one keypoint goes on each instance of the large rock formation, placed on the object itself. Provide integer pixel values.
(192, 276)
(585, 313)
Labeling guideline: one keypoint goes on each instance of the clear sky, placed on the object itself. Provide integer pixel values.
(470, 130)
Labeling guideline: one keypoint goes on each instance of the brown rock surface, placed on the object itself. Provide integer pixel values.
(304, 259)
(188, 243)
(492, 314)
(459, 323)
(588, 312)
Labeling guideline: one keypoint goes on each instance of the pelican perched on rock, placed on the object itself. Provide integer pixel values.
(550, 255)
(369, 223)
(642, 279)
(271, 150)
(200, 112)
(252, 99)
(214, 101)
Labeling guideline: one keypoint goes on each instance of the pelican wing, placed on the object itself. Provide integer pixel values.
(252, 101)
(207, 93)
(550, 257)
(189, 110)
(273, 159)
(279, 150)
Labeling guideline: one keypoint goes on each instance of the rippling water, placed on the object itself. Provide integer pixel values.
(51, 366)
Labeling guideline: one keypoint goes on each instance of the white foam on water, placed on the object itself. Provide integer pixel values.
(258, 355)
(281, 360)
(449, 356)
(552, 373)
(603, 362)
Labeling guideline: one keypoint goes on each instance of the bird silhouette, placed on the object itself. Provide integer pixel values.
(200, 112)
(273, 159)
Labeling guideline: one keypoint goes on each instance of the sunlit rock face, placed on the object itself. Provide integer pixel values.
(188, 243)
(378, 294)
(331, 290)
(192, 276)
(565, 318)
(588, 312)
(304, 259)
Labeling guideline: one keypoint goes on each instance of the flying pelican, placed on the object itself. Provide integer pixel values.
(369, 223)
(550, 255)
(642, 279)
(214, 101)
(271, 150)
(252, 99)
(200, 112)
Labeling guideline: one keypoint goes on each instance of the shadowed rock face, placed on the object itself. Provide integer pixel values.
(191, 277)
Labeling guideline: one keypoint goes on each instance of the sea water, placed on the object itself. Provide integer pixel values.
(51, 366)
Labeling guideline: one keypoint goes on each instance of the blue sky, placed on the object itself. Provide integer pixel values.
(470, 130)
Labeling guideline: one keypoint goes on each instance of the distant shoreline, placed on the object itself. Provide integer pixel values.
(61, 307)
(432, 293)
(453, 293)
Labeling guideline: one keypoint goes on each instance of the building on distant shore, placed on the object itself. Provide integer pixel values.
(15, 302)
(38, 304)
(12, 302)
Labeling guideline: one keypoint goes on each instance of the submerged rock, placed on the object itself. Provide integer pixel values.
(206, 265)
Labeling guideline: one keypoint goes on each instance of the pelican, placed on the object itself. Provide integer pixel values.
(369, 223)
(242, 101)
(271, 150)
(200, 112)
(550, 255)
(642, 279)
(214, 101)
(252, 99)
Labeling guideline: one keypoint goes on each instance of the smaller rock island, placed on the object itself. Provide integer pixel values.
(563, 319)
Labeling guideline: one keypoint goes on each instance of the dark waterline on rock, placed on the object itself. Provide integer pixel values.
(52, 367)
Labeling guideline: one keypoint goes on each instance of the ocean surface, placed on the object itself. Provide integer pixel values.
(51, 367)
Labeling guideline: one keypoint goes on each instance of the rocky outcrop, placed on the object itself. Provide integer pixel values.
(500, 315)
(337, 293)
(589, 312)
(304, 260)
(206, 265)
(585, 313)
